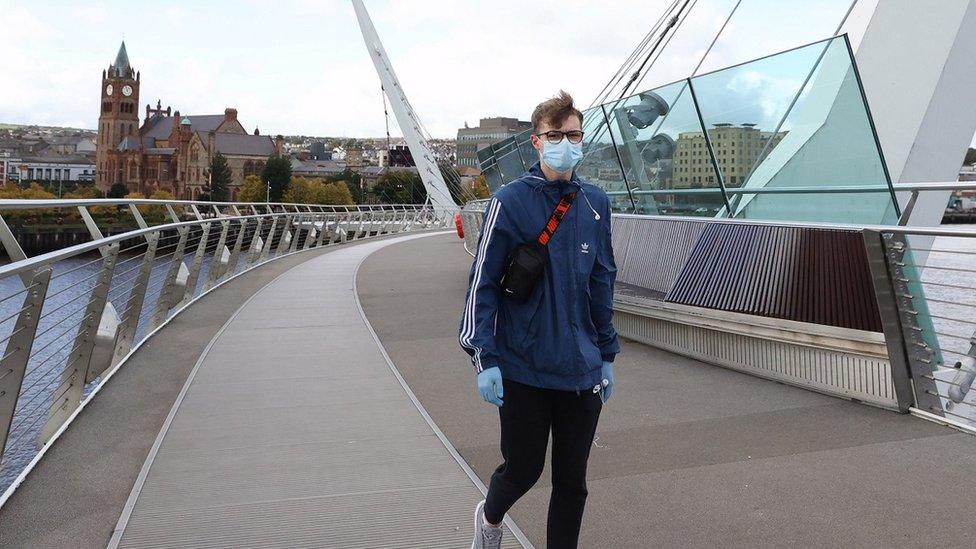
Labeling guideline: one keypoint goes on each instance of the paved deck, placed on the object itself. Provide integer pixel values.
(690, 455)
(293, 430)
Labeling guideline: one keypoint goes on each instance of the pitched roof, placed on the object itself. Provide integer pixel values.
(241, 144)
(121, 64)
(161, 126)
(131, 143)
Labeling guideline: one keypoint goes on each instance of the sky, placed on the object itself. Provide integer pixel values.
(300, 67)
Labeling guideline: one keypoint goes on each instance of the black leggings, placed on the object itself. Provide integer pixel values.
(526, 417)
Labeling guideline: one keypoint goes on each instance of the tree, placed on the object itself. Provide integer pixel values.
(301, 191)
(217, 188)
(253, 190)
(400, 187)
(334, 194)
(480, 187)
(277, 172)
(353, 183)
(117, 190)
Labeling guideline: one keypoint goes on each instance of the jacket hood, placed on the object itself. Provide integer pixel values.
(535, 177)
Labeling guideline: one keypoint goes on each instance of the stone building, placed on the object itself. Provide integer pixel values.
(169, 151)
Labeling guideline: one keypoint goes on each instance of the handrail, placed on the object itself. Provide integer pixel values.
(115, 309)
(35, 203)
(898, 187)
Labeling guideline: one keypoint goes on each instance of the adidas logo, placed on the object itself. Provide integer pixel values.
(585, 248)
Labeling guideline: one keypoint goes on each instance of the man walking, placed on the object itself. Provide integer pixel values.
(538, 325)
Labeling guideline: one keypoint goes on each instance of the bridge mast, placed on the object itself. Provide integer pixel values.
(423, 156)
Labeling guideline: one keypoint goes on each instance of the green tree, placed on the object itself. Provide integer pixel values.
(117, 190)
(217, 188)
(253, 190)
(400, 187)
(277, 172)
(353, 183)
(302, 191)
(335, 194)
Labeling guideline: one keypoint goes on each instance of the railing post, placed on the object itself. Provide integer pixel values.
(286, 237)
(166, 298)
(191, 280)
(921, 357)
(297, 236)
(217, 261)
(883, 279)
(17, 351)
(256, 247)
(266, 250)
(130, 315)
(79, 368)
(236, 251)
(362, 225)
(321, 235)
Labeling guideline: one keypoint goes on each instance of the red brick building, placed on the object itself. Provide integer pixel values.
(168, 151)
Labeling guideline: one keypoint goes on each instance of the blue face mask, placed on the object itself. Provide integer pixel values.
(563, 156)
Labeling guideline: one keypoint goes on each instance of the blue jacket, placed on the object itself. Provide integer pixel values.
(561, 336)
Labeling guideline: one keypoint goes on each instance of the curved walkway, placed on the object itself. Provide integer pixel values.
(294, 429)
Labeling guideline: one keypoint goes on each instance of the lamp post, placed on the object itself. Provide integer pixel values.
(268, 195)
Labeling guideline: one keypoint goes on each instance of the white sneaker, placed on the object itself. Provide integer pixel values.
(485, 536)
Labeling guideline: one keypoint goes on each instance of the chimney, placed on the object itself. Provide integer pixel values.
(230, 115)
(211, 139)
(279, 142)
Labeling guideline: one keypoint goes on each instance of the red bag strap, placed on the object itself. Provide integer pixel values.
(557, 216)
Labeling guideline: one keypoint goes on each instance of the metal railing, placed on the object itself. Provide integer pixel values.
(69, 318)
(924, 279)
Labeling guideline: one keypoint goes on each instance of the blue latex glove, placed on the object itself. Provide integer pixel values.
(490, 386)
(606, 373)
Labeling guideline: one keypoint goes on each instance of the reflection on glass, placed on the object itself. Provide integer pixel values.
(528, 154)
(662, 147)
(600, 165)
(792, 121)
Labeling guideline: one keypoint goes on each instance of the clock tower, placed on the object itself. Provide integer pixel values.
(118, 118)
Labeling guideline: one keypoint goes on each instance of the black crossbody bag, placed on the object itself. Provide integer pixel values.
(526, 264)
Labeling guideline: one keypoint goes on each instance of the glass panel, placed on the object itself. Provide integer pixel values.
(508, 160)
(796, 120)
(763, 27)
(486, 159)
(600, 165)
(662, 146)
(529, 156)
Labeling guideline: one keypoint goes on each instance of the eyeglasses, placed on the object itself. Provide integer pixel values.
(555, 136)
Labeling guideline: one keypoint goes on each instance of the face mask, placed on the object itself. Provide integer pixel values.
(562, 156)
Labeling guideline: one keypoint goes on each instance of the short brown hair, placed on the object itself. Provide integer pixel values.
(555, 111)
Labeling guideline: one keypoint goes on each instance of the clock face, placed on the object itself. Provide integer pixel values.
(127, 90)
(109, 89)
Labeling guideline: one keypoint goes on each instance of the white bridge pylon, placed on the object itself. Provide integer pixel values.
(423, 156)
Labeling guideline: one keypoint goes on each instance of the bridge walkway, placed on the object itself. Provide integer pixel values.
(688, 454)
(294, 430)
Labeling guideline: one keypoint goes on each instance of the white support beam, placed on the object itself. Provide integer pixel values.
(407, 119)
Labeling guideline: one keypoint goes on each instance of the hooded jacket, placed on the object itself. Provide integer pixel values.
(559, 338)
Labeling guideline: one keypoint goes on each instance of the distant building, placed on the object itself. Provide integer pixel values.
(488, 131)
(169, 152)
(400, 157)
(736, 150)
(316, 151)
(74, 169)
